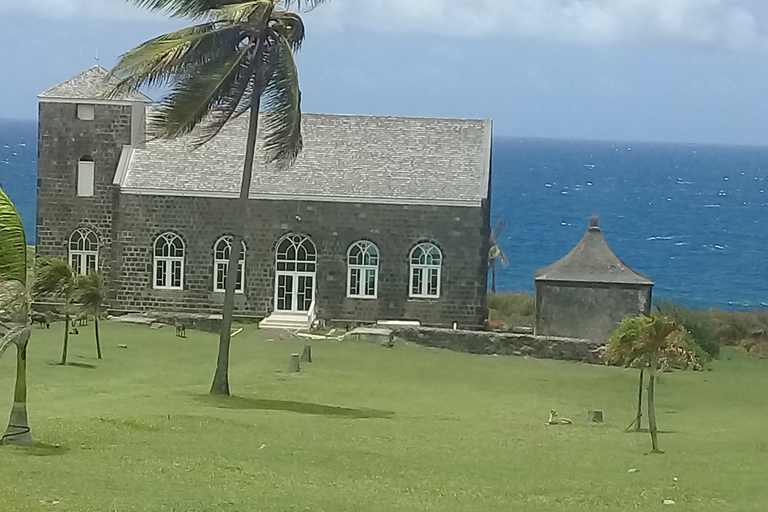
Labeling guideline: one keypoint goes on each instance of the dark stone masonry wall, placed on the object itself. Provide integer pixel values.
(460, 232)
(587, 310)
(481, 342)
(62, 140)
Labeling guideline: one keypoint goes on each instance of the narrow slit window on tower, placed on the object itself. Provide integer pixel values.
(86, 112)
(85, 175)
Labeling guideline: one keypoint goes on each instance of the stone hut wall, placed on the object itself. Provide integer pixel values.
(587, 310)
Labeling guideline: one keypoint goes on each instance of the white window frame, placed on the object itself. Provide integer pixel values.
(169, 261)
(86, 175)
(86, 112)
(83, 249)
(221, 261)
(370, 256)
(423, 267)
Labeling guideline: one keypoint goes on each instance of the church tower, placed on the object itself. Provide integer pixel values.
(81, 136)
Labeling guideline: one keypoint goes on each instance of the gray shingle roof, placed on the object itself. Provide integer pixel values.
(345, 158)
(591, 261)
(91, 84)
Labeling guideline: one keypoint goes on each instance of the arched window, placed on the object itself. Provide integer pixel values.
(296, 253)
(426, 261)
(83, 251)
(362, 270)
(85, 176)
(169, 262)
(221, 252)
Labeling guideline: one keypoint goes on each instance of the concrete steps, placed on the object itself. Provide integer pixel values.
(288, 321)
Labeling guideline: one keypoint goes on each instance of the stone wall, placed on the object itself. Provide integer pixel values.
(481, 342)
(62, 140)
(460, 232)
(587, 310)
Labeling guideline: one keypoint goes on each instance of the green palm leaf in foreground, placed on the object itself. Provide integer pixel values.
(14, 302)
(55, 277)
(237, 58)
(649, 342)
(90, 294)
(13, 243)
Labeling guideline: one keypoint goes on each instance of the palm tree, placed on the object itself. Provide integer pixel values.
(56, 277)
(649, 342)
(495, 252)
(90, 295)
(238, 54)
(14, 304)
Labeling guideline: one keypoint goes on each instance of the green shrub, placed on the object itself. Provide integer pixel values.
(697, 323)
(514, 309)
(733, 327)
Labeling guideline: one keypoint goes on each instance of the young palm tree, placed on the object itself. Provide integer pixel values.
(56, 277)
(495, 252)
(237, 58)
(14, 304)
(90, 294)
(649, 343)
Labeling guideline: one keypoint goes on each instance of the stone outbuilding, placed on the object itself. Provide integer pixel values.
(589, 291)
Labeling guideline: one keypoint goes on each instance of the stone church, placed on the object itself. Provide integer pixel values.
(380, 218)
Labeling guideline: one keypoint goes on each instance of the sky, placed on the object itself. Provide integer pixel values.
(634, 70)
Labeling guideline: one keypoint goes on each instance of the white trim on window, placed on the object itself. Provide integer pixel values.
(221, 252)
(363, 270)
(425, 271)
(85, 176)
(83, 251)
(168, 262)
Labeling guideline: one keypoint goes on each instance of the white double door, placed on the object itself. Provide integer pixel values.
(294, 291)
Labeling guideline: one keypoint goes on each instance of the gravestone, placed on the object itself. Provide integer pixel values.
(293, 364)
(595, 416)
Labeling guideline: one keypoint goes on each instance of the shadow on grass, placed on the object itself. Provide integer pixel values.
(40, 450)
(86, 366)
(646, 431)
(239, 402)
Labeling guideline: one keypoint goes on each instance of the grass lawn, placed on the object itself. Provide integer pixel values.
(365, 428)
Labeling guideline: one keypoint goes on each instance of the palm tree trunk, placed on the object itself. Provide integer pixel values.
(639, 417)
(220, 385)
(66, 338)
(652, 412)
(18, 432)
(96, 329)
(493, 275)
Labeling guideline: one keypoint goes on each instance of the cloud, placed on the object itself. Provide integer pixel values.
(589, 22)
(116, 10)
(731, 24)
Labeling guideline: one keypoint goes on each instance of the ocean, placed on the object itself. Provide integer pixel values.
(692, 217)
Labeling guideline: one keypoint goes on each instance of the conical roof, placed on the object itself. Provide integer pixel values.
(91, 84)
(591, 261)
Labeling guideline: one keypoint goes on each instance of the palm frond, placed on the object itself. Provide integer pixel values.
(163, 59)
(89, 292)
(234, 102)
(254, 13)
(54, 276)
(195, 95)
(501, 225)
(290, 26)
(642, 339)
(282, 105)
(13, 243)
